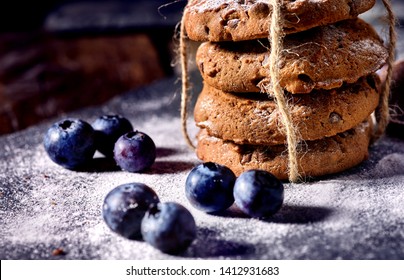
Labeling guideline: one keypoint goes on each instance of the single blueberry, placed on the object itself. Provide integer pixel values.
(70, 143)
(169, 227)
(125, 206)
(258, 193)
(134, 151)
(209, 187)
(108, 129)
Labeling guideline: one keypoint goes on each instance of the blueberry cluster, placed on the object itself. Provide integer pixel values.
(72, 143)
(212, 187)
(134, 211)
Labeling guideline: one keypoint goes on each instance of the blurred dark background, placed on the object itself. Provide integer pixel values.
(24, 15)
(20, 15)
(57, 56)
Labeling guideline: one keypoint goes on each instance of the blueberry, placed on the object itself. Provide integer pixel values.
(125, 206)
(108, 129)
(169, 227)
(258, 193)
(209, 187)
(70, 143)
(134, 151)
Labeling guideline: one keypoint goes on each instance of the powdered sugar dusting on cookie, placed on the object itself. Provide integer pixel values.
(202, 6)
(224, 20)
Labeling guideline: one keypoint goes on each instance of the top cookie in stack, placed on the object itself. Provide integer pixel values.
(241, 20)
(327, 70)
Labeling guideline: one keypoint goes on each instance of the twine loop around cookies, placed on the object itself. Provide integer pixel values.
(274, 89)
(382, 113)
(184, 83)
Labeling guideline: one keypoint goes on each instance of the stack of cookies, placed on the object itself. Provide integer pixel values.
(327, 71)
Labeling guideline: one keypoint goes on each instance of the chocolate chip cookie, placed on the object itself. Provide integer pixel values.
(316, 158)
(229, 20)
(320, 58)
(255, 119)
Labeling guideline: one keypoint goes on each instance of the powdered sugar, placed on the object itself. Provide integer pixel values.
(202, 6)
(356, 214)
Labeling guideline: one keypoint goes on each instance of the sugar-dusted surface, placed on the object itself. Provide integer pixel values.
(43, 207)
(202, 6)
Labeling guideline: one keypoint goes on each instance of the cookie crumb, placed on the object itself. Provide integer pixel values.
(58, 252)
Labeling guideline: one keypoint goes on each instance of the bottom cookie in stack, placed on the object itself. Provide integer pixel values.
(316, 158)
(243, 131)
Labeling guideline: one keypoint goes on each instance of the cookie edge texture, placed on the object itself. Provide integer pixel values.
(316, 158)
(223, 20)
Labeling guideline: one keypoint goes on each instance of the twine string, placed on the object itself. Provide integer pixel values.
(276, 41)
(382, 113)
(184, 84)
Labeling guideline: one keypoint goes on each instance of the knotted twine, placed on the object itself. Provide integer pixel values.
(273, 89)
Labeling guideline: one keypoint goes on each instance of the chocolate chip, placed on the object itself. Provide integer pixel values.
(259, 10)
(335, 118)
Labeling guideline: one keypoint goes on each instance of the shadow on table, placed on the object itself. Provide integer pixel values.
(288, 214)
(104, 164)
(170, 167)
(210, 243)
(293, 214)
